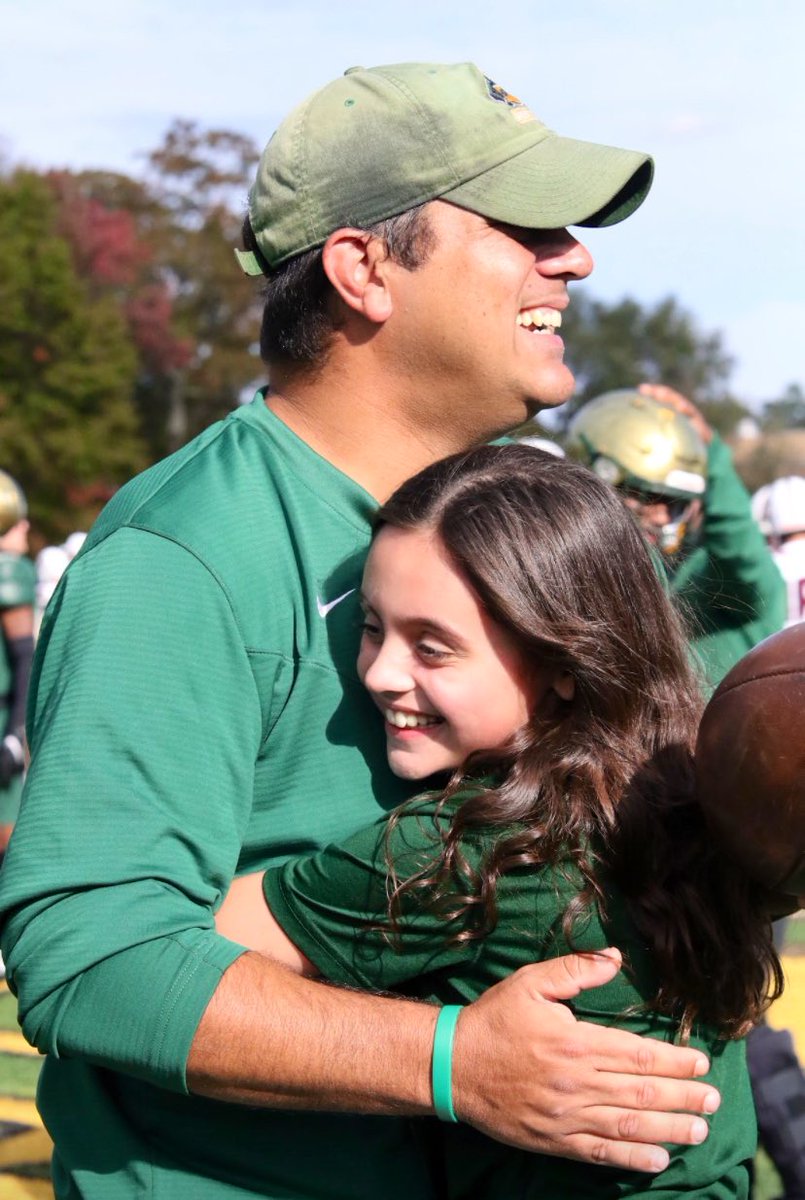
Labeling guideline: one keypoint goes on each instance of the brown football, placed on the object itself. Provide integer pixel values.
(750, 762)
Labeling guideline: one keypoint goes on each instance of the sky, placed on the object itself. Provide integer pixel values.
(712, 88)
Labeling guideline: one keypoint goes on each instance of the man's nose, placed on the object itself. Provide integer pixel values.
(658, 514)
(565, 256)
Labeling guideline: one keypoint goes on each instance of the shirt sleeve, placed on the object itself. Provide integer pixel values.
(744, 580)
(144, 727)
(17, 581)
(334, 904)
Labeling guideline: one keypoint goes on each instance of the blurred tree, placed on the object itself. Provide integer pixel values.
(114, 227)
(68, 429)
(788, 412)
(724, 414)
(164, 246)
(770, 456)
(624, 344)
(199, 179)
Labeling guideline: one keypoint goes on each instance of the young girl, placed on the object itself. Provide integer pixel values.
(528, 664)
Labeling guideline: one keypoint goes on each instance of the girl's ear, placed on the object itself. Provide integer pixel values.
(565, 686)
(357, 265)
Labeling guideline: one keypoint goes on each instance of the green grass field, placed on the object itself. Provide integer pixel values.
(8, 1011)
(18, 1074)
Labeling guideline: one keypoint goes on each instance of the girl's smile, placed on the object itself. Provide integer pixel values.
(447, 678)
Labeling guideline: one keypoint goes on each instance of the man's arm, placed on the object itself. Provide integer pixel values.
(142, 779)
(525, 1071)
(18, 632)
(562, 1073)
(745, 584)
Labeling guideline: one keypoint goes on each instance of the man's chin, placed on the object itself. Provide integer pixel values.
(552, 396)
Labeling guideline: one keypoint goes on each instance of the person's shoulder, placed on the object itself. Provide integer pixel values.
(173, 488)
(427, 818)
(218, 491)
(18, 574)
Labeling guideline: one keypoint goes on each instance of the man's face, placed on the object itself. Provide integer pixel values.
(664, 522)
(476, 326)
(15, 540)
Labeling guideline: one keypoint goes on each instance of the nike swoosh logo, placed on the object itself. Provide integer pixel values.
(325, 608)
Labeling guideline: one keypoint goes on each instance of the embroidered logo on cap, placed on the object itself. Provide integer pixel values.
(519, 110)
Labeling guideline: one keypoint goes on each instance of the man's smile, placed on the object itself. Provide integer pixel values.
(540, 319)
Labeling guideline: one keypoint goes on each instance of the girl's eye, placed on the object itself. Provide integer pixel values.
(370, 630)
(431, 653)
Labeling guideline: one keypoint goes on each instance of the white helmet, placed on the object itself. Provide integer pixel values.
(542, 443)
(73, 544)
(779, 507)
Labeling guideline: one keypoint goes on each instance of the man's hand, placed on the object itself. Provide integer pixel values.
(681, 404)
(524, 1070)
(528, 1073)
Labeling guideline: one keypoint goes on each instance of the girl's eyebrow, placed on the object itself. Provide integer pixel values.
(443, 631)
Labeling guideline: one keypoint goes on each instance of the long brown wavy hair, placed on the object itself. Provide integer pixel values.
(605, 780)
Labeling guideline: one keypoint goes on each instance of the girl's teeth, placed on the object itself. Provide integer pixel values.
(407, 720)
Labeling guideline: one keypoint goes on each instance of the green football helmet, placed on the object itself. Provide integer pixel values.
(648, 451)
(13, 506)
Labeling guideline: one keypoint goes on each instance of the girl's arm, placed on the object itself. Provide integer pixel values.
(245, 918)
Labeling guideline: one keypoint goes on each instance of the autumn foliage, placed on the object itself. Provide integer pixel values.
(125, 325)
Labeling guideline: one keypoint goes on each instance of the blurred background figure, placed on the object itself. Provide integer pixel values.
(543, 443)
(678, 478)
(17, 586)
(779, 509)
(51, 563)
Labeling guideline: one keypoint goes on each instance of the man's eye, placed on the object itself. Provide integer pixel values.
(370, 630)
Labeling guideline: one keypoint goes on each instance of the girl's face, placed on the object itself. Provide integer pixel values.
(447, 678)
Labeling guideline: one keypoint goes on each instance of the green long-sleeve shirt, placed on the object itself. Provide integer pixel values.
(333, 905)
(194, 710)
(728, 582)
(17, 586)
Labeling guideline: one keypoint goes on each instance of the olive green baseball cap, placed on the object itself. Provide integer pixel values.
(382, 140)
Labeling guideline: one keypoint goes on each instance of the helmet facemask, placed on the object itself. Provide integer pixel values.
(667, 536)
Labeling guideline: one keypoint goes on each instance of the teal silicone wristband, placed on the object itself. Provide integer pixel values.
(441, 1073)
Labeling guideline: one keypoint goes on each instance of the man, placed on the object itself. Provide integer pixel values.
(678, 477)
(779, 509)
(17, 579)
(410, 221)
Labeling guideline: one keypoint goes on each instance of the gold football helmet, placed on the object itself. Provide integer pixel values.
(13, 506)
(633, 441)
(649, 451)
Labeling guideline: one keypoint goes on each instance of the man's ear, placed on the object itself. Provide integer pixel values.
(357, 265)
(565, 686)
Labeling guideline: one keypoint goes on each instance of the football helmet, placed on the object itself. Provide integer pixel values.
(646, 449)
(779, 507)
(13, 505)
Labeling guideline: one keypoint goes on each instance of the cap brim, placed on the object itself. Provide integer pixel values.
(557, 182)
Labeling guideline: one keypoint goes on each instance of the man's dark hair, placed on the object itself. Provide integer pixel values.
(298, 316)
